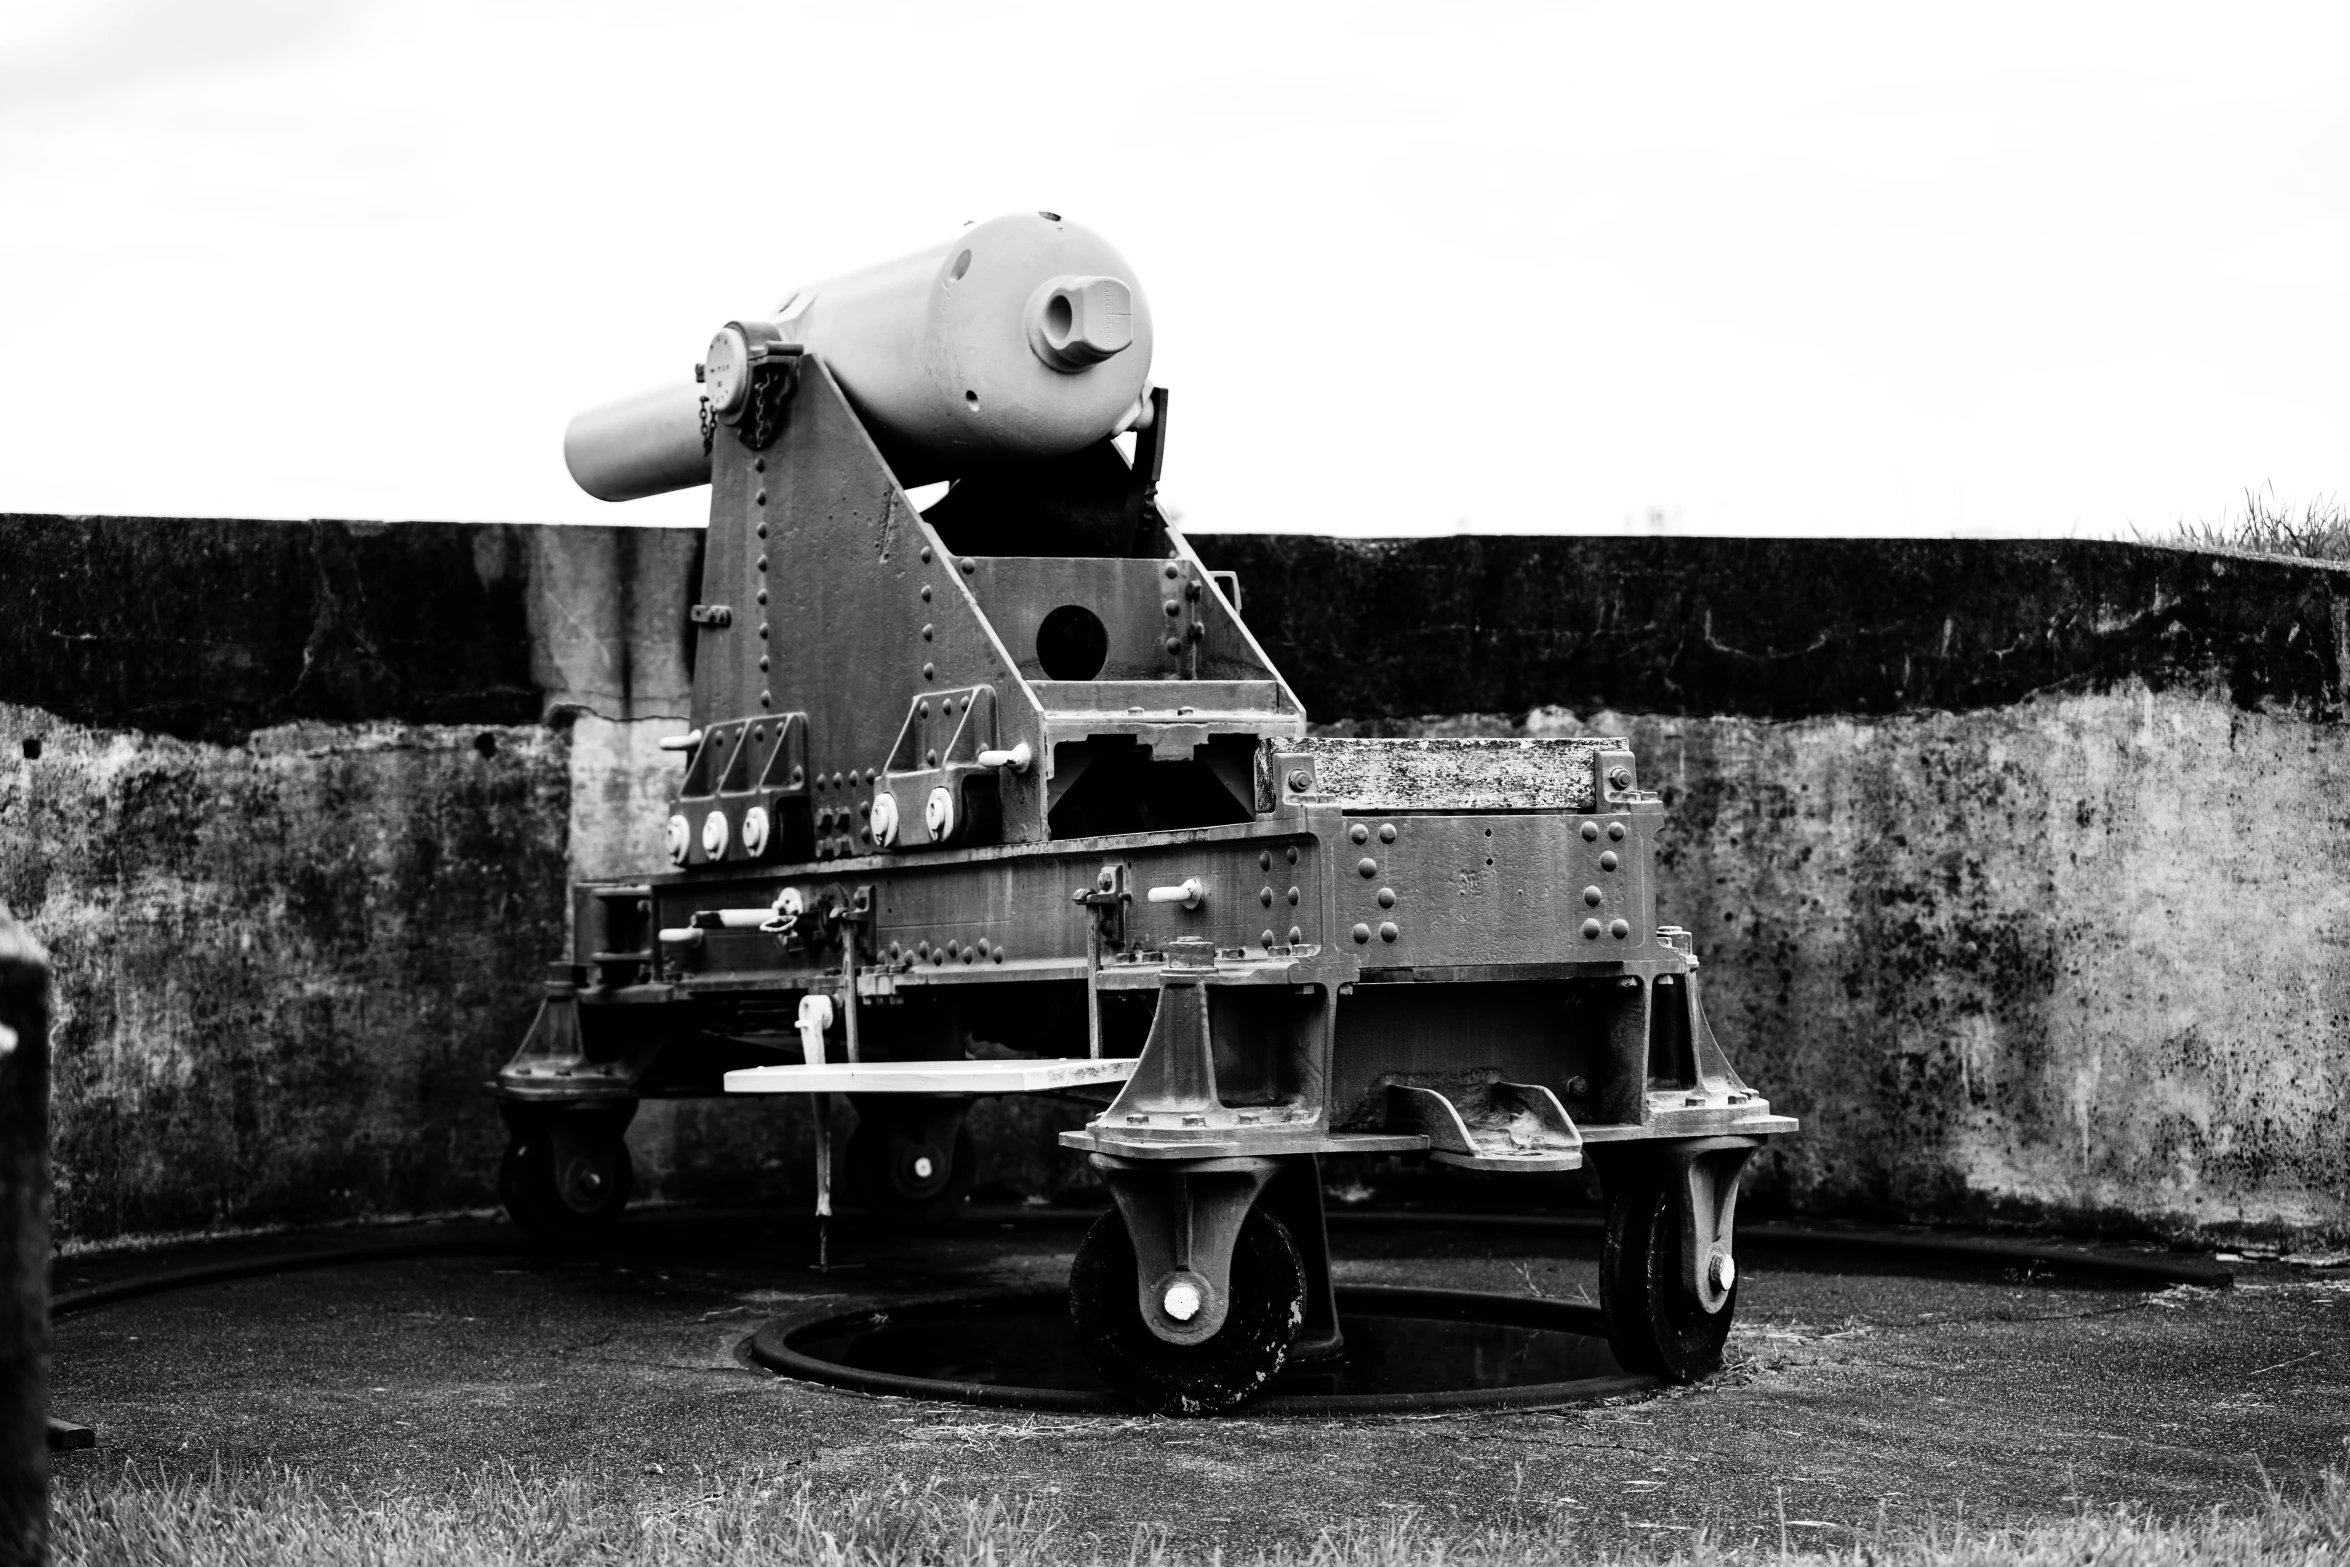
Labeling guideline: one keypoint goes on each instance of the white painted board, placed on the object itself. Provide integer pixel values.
(927, 1077)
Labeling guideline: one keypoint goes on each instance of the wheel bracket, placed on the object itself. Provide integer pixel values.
(1707, 1170)
(1184, 1221)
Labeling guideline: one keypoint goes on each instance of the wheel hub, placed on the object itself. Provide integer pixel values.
(918, 1171)
(584, 1182)
(1723, 1271)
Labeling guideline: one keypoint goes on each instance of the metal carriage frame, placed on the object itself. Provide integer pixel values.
(1004, 797)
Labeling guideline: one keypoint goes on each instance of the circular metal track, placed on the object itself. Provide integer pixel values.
(965, 1342)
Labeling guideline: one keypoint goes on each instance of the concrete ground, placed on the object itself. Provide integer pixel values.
(1850, 1389)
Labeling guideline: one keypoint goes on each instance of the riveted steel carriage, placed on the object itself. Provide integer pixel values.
(1001, 796)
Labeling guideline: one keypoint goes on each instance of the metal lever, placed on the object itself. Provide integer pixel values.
(815, 1018)
(1104, 905)
(1189, 894)
(1017, 758)
(683, 742)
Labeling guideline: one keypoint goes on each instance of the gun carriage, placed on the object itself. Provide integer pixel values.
(1001, 796)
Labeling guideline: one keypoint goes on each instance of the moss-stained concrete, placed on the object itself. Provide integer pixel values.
(2082, 955)
(283, 967)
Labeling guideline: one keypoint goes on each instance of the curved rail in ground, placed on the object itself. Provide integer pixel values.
(773, 1345)
(1928, 1248)
(776, 1345)
(1889, 1245)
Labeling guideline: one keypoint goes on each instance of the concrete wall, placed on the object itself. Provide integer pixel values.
(2016, 867)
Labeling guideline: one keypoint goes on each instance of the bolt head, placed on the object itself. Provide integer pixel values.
(1619, 778)
(1722, 1271)
(1182, 1300)
(1300, 781)
(923, 1168)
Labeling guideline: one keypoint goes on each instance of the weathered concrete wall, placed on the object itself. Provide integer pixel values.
(2084, 957)
(2017, 867)
(295, 807)
(283, 966)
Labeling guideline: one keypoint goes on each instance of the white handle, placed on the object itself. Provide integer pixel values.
(815, 1018)
(684, 742)
(1017, 758)
(1189, 894)
(682, 936)
(744, 919)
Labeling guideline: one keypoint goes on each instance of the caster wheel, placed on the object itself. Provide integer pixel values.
(905, 1178)
(1654, 1323)
(555, 1198)
(1246, 1353)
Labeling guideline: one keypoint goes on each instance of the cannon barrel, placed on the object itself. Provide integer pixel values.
(1024, 336)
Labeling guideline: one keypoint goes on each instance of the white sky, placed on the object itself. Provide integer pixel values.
(1415, 267)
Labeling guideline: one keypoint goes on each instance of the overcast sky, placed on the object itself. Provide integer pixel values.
(1415, 268)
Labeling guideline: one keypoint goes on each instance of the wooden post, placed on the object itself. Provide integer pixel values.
(24, 1247)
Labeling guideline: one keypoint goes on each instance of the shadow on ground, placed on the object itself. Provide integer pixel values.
(1850, 1389)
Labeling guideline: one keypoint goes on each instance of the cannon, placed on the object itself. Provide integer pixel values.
(1000, 795)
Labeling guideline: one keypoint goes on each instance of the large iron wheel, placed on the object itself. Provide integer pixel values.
(562, 1196)
(1655, 1323)
(907, 1169)
(1268, 1302)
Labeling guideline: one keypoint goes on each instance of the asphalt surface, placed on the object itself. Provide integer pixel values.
(1999, 1396)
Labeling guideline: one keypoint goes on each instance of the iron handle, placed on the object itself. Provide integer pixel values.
(1017, 758)
(1188, 894)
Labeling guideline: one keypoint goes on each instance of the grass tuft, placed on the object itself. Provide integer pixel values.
(502, 1516)
(2320, 532)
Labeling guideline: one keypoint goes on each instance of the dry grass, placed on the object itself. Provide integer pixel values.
(135, 1520)
(2320, 532)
